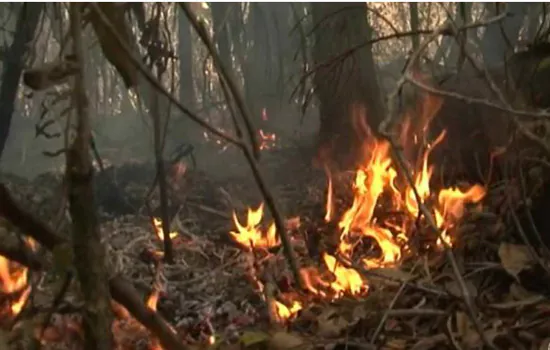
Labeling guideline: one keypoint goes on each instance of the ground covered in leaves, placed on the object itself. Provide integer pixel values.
(210, 294)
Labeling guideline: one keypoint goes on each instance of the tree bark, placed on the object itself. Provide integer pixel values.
(187, 89)
(87, 246)
(220, 20)
(348, 90)
(500, 38)
(27, 23)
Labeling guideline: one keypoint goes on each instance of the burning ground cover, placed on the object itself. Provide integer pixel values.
(374, 270)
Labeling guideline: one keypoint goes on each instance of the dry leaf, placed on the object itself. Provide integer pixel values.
(395, 344)
(514, 258)
(454, 289)
(286, 341)
(331, 324)
(253, 338)
(393, 273)
(545, 344)
(469, 336)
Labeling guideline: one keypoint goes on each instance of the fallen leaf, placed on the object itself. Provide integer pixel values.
(286, 341)
(395, 344)
(250, 338)
(331, 324)
(454, 289)
(514, 258)
(393, 273)
(469, 336)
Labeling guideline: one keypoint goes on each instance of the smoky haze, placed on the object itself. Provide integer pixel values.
(268, 48)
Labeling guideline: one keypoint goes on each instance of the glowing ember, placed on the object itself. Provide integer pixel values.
(267, 139)
(159, 231)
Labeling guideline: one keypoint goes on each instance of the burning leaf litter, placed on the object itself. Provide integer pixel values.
(370, 263)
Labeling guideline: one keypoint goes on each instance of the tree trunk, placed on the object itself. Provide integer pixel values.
(88, 250)
(415, 39)
(348, 90)
(187, 89)
(27, 22)
(186, 129)
(220, 20)
(500, 38)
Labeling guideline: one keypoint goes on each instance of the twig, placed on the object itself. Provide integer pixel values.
(270, 201)
(447, 30)
(525, 240)
(155, 83)
(250, 156)
(121, 290)
(225, 75)
(387, 313)
(372, 273)
(384, 131)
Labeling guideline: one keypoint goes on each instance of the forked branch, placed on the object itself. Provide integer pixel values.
(239, 142)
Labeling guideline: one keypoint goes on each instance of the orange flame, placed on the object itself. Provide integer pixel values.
(159, 231)
(375, 185)
(250, 235)
(14, 280)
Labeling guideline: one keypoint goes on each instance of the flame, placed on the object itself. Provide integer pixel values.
(14, 281)
(346, 280)
(284, 313)
(329, 205)
(375, 187)
(250, 235)
(267, 139)
(159, 231)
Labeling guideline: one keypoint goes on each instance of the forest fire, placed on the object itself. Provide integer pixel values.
(376, 188)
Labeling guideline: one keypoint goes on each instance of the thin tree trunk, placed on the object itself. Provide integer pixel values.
(27, 22)
(187, 90)
(89, 252)
(415, 39)
(500, 38)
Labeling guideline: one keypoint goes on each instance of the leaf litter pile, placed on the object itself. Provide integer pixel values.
(375, 273)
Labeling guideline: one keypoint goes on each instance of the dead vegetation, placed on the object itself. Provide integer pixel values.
(394, 254)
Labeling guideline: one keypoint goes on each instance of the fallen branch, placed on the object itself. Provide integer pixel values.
(121, 290)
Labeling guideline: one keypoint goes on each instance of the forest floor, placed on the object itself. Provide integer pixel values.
(219, 294)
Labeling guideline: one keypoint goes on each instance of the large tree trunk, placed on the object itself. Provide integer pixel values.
(13, 65)
(348, 91)
(500, 38)
(261, 68)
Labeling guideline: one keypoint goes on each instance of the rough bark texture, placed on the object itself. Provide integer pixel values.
(13, 65)
(347, 88)
(476, 133)
(89, 251)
